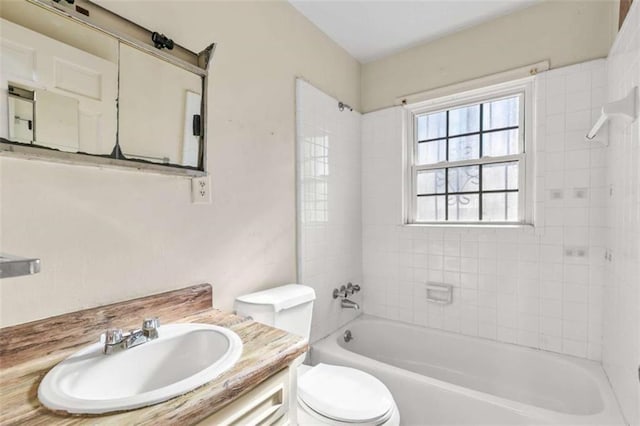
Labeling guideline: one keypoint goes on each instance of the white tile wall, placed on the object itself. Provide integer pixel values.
(329, 203)
(515, 285)
(621, 292)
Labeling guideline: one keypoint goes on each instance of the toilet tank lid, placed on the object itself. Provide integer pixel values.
(282, 297)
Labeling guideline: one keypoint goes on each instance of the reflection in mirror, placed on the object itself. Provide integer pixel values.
(169, 97)
(21, 111)
(57, 117)
(72, 93)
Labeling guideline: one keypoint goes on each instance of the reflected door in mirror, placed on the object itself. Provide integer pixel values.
(73, 103)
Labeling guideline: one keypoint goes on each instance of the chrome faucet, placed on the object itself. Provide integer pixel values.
(349, 304)
(115, 340)
(343, 292)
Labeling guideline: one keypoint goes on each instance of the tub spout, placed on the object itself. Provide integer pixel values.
(349, 304)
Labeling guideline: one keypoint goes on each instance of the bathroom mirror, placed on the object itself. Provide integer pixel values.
(170, 96)
(79, 83)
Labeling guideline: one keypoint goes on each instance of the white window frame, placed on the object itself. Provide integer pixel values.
(526, 202)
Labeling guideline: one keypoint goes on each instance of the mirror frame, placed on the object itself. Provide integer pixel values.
(98, 18)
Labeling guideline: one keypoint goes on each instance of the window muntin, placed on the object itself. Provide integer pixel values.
(469, 162)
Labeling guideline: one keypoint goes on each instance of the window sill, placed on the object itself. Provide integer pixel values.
(470, 225)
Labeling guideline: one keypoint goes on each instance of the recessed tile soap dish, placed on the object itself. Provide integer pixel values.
(440, 293)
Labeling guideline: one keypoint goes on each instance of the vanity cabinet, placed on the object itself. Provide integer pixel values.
(266, 404)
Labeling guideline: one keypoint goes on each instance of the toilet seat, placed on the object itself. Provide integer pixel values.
(345, 395)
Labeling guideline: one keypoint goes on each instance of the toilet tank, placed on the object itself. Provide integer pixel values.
(288, 307)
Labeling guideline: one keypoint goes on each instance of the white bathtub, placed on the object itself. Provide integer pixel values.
(444, 378)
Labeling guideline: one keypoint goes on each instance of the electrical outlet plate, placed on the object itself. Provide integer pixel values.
(201, 190)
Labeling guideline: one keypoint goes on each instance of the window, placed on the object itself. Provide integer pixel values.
(468, 158)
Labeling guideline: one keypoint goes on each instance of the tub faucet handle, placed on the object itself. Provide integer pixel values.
(353, 288)
(340, 293)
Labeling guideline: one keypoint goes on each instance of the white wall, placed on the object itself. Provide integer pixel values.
(329, 213)
(511, 285)
(561, 31)
(108, 235)
(621, 355)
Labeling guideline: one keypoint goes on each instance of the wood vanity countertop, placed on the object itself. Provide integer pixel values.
(266, 351)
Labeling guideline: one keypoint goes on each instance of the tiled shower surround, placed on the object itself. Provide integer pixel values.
(621, 356)
(329, 215)
(535, 286)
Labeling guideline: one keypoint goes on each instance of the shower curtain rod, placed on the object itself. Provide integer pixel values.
(342, 106)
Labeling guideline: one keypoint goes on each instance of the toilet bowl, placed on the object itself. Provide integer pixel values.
(326, 394)
(336, 395)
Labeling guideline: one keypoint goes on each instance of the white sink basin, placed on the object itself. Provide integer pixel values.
(183, 357)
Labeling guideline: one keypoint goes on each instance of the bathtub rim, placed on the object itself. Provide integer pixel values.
(609, 415)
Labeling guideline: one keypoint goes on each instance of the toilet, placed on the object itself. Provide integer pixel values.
(326, 394)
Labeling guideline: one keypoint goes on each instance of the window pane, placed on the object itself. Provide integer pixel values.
(464, 179)
(464, 148)
(430, 208)
(512, 206)
(501, 113)
(431, 152)
(431, 126)
(464, 208)
(431, 182)
(500, 176)
(464, 120)
(495, 144)
(500, 207)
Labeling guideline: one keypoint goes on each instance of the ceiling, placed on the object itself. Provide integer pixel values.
(372, 29)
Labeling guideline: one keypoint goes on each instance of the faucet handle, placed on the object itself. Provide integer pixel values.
(150, 327)
(150, 323)
(113, 336)
(342, 292)
(353, 288)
